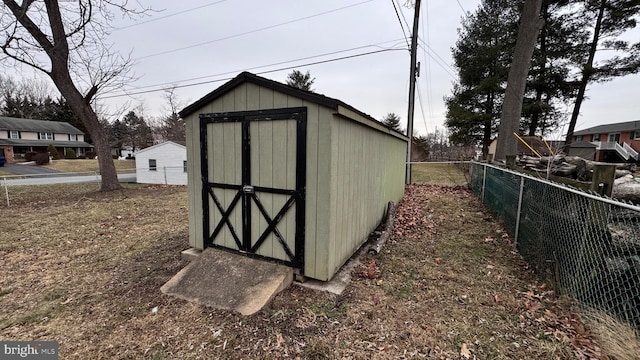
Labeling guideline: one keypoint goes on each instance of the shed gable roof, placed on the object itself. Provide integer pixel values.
(610, 128)
(161, 145)
(273, 85)
(58, 127)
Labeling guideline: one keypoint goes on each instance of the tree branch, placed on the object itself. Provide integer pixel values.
(20, 12)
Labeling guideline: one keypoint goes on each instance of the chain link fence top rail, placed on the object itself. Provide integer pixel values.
(586, 245)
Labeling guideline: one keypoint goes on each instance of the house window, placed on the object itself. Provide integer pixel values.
(595, 137)
(73, 137)
(152, 165)
(614, 137)
(636, 135)
(184, 166)
(14, 134)
(579, 138)
(45, 136)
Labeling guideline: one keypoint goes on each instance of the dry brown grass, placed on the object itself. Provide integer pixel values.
(84, 268)
(617, 339)
(87, 165)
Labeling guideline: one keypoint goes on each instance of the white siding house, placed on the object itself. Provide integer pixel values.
(164, 163)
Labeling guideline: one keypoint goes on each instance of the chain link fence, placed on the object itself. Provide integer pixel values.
(12, 186)
(586, 245)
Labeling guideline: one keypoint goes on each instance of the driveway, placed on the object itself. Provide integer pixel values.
(17, 169)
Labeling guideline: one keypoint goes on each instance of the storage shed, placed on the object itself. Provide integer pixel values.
(164, 163)
(288, 175)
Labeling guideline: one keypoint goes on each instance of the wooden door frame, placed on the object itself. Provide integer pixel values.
(246, 192)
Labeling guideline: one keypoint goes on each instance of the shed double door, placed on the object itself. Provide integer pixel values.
(253, 183)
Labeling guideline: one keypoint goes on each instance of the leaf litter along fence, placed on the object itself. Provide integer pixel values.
(588, 246)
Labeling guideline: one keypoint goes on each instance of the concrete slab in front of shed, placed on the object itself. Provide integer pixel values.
(224, 280)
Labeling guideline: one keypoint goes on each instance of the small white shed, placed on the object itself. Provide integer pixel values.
(164, 163)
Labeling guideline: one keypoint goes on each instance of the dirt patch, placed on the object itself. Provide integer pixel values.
(85, 269)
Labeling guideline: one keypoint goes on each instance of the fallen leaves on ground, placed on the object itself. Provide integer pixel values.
(437, 290)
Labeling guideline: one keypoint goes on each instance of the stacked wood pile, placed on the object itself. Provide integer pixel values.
(628, 188)
(574, 167)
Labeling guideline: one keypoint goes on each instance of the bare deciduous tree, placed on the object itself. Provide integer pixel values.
(64, 40)
(173, 126)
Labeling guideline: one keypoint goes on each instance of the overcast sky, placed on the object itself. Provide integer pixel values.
(200, 41)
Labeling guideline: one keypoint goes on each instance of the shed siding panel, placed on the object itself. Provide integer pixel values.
(312, 258)
(320, 187)
(194, 200)
(225, 151)
(368, 173)
(240, 98)
(280, 100)
(253, 98)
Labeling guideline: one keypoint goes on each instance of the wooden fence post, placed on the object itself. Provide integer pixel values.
(603, 177)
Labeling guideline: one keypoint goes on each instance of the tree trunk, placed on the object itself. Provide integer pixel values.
(530, 26)
(486, 137)
(90, 120)
(535, 117)
(587, 71)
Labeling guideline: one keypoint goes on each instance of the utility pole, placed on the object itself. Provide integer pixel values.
(413, 73)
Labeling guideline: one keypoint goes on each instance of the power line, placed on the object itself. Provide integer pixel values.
(437, 62)
(463, 10)
(426, 129)
(400, 21)
(403, 17)
(436, 54)
(169, 15)
(262, 72)
(427, 67)
(276, 64)
(253, 31)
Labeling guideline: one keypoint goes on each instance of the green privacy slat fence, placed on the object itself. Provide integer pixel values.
(586, 245)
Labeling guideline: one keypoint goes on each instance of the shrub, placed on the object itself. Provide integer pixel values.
(53, 152)
(30, 156)
(70, 154)
(90, 154)
(41, 158)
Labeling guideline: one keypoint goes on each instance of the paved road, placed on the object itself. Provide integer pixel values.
(18, 169)
(60, 178)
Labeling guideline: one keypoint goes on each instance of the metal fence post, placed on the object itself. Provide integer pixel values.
(484, 181)
(6, 190)
(518, 212)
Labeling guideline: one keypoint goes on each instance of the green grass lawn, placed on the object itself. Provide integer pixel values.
(440, 174)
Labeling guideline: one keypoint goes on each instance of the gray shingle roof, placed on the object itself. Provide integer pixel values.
(611, 128)
(7, 123)
(57, 143)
